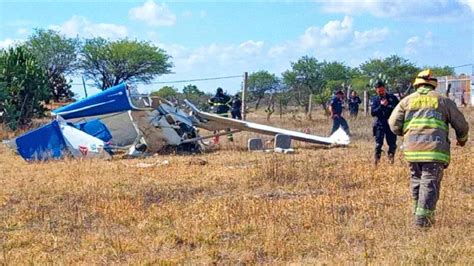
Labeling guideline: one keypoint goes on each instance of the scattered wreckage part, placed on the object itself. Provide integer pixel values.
(112, 100)
(56, 140)
(282, 141)
(147, 165)
(83, 145)
(210, 136)
(285, 151)
(339, 137)
(255, 144)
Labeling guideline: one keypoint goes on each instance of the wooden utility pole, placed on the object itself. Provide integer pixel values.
(366, 103)
(310, 106)
(84, 85)
(244, 92)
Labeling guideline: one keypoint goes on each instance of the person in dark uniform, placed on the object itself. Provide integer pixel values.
(236, 107)
(354, 102)
(335, 108)
(221, 104)
(381, 109)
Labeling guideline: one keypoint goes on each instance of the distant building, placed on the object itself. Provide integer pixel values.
(461, 89)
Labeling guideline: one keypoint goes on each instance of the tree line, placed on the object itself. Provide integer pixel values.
(36, 72)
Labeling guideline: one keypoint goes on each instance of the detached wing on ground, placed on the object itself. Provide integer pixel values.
(215, 122)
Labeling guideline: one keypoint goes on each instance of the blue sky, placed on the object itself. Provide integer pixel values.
(226, 38)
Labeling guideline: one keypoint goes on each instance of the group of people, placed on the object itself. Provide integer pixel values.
(423, 120)
(222, 103)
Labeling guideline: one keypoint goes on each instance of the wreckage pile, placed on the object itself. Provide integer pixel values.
(120, 118)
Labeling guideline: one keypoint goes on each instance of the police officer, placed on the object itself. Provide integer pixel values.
(335, 109)
(422, 119)
(354, 102)
(381, 109)
(236, 111)
(221, 103)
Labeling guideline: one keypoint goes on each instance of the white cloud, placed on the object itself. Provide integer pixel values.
(22, 31)
(332, 33)
(277, 50)
(469, 3)
(153, 14)
(365, 38)
(251, 47)
(6, 43)
(81, 26)
(421, 9)
(187, 14)
(415, 43)
(413, 40)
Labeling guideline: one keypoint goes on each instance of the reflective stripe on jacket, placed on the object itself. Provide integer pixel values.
(422, 118)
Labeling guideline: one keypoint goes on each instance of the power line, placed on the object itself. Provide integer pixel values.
(190, 80)
(462, 65)
(181, 81)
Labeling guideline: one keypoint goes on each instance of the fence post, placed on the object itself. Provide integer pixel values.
(366, 103)
(244, 92)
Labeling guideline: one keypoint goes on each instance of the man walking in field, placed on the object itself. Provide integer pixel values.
(382, 106)
(422, 118)
(336, 107)
(354, 102)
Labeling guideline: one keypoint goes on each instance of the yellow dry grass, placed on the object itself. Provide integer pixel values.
(320, 205)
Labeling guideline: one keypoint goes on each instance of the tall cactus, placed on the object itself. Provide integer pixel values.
(23, 87)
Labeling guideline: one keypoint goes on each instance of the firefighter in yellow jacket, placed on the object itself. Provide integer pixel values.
(423, 119)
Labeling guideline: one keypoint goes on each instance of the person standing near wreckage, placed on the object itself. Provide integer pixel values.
(354, 102)
(336, 106)
(236, 107)
(422, 119)
(381, 109)
(221, 104)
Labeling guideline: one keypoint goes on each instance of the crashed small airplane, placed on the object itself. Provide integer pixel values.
(120, 118)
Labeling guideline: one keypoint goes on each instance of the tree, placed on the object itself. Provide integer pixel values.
(336, 71)
(166, 92)
(260, 83)
(58, 55)
(23, 87)
(399, 72)
(441, 71)
(108, 63)
(192, 90)
(306, 75)
(196, 96)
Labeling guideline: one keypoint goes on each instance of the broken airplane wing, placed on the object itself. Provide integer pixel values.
(339, 137)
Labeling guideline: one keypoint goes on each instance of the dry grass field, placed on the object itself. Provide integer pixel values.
(320, 205)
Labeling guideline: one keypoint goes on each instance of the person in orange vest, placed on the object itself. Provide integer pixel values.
(423, 119)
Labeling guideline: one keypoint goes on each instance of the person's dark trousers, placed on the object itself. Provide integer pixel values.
(236, 114)
(339, 121)
(354, 113)
(381, 132)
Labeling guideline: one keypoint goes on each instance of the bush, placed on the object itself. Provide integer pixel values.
(23, 88)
